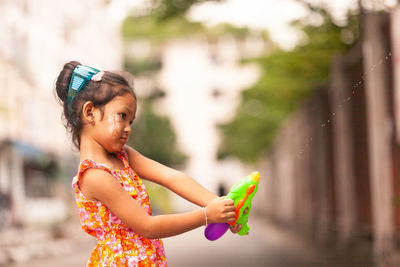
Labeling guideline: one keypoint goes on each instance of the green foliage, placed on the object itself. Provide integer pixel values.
(159, 198)
(137, 67)
(288, 77)
(153, 136)
(151, 28)
(166, 20)
(166, 9)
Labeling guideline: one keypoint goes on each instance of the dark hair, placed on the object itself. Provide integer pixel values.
(99, 93)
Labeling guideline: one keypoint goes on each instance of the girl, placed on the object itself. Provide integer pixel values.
(99, 108)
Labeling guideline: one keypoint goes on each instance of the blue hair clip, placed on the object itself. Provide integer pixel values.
(80, 77)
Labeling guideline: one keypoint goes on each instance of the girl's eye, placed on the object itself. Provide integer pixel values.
(123, 115)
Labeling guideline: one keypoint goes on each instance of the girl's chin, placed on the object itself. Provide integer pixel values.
(116, 146)
(115, 149)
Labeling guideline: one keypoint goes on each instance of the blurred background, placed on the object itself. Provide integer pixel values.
(305, 91)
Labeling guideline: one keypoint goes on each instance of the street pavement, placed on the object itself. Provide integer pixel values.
(266, 245)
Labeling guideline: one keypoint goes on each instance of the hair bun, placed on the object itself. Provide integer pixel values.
(64, 79)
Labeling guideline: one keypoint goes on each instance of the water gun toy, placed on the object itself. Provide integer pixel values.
(241, 193)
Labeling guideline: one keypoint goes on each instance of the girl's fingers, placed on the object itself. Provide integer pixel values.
(229, 202)
(236, 228)
(229, 205)
(232, 215)
(230, 208)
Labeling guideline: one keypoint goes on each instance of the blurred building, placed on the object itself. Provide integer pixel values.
(28, 142)
(38, 38)
(203, 81)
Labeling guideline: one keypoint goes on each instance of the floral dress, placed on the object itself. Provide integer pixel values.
(117, 244)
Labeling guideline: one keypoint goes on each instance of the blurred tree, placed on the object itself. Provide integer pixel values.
(154, 30)
(152, 134)
(287, 78)
(157, 26)
(154, 137)
(167, 9)
(165, 20)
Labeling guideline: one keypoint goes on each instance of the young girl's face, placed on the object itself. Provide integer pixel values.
(114, 127)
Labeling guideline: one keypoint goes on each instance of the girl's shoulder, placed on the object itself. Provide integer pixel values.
(86, 165)
(91, 164)
(98, 185)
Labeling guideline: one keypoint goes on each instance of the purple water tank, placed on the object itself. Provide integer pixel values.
(214, 231)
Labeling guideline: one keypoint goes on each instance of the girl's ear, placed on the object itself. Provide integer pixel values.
(88, 111)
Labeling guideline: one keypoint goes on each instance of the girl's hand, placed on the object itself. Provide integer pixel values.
(236, 228)
(221, 210)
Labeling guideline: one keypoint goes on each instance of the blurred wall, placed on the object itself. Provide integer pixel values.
(333, 173)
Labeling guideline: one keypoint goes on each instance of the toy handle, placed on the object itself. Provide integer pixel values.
(214, 231)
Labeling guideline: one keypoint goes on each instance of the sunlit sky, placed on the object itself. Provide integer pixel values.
(273, 15)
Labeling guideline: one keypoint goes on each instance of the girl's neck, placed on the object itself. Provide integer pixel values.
(97, 153)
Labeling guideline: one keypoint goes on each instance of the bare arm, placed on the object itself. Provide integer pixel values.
(99, 185)
(176, 181)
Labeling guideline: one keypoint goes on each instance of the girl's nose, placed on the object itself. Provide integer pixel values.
(128, 128)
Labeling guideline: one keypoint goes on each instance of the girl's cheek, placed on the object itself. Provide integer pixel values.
(113, 124)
